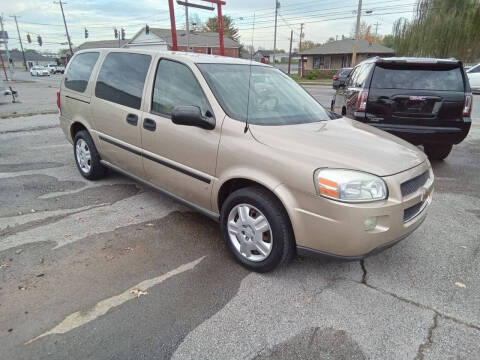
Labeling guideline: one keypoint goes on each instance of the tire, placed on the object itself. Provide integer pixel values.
(91, 168)
(279, 237)
(437, 151)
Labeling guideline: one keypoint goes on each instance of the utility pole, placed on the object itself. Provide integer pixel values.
(300, 50)
(5, 41)
(21, 44)
(376, 28)
(3, 67)
(172, 25)
(187, 26)
(290, 51)
(253, 32)
(66, 28)
(277, 5)
(357, 31)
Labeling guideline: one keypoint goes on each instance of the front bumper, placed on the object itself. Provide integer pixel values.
(334, 228)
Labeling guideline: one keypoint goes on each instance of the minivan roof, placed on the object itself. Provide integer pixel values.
(411, 60)
(195, 58)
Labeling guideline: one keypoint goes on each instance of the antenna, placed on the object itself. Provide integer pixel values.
(250, 76)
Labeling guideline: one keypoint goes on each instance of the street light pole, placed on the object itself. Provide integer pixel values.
(21, 44)
(290, 51)
(300, 50)
(66, 28)
(357, 31)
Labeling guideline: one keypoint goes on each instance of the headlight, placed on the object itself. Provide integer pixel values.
(349, 185)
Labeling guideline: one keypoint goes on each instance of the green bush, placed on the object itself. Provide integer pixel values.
(312, 75)
(295, 77)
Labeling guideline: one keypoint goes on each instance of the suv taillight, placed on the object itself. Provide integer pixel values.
(467, 107)
(335, 77)
(362, 100)
(58, 101)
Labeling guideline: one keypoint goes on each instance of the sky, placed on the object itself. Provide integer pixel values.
(255, 19)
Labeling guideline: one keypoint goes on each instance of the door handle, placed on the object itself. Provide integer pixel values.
(149, 124)
(132, 119)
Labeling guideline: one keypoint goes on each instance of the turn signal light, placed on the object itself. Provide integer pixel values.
(328, 187)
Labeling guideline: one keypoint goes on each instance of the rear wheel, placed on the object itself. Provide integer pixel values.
(437, 151)
(87, 157)
(257, 229)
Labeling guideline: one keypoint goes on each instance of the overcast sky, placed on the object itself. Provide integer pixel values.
(322, 18)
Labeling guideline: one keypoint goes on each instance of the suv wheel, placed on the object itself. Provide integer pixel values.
(87, 157)
(257, 229)
(437, 151)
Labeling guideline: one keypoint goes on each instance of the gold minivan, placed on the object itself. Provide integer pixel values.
(246, 145)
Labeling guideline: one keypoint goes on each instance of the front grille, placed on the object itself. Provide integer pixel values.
(412, 185)
(412, 211)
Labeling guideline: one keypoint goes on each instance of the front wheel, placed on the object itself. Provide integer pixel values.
(87, 157)
(257, 229)
(437, 151)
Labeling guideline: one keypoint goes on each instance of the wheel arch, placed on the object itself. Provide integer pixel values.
(236, 183)
(76, 127)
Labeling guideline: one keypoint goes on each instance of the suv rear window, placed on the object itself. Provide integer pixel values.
(418, 79)
(80, 70)
(122, 78)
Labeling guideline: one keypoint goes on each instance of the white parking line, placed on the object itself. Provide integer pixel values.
(80, 318)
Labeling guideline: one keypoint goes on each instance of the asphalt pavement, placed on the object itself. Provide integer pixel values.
(114, 270)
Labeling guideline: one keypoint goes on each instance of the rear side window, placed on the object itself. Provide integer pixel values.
(122, 78)
(176, 85)
(474, 70)
(359, 75)
(80, 70)
(418, 79)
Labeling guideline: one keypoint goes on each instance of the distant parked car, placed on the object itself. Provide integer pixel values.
(424, 101)
(340, 77)
(474, 78)
(52, 68)
(39, 71)
(60, 69)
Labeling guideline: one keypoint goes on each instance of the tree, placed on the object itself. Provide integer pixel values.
(196, 23)
(441, 28)
(307, 44)
(365, 33)
(389, 41)
(229, 28)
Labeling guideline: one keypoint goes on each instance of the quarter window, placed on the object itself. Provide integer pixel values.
(79, 71)
(474, 70)
(175, 85)
(122, 78)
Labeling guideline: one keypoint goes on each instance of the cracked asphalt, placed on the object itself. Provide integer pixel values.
(113, 270)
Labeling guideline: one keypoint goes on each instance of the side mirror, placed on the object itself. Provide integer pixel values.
(190, 115)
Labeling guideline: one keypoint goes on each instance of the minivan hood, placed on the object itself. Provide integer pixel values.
(343, 143)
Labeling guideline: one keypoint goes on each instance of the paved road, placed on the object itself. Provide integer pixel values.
(112, 270)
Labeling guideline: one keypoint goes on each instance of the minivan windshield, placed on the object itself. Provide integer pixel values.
(275, 99)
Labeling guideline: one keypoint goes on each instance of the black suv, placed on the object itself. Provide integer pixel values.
(424, 101)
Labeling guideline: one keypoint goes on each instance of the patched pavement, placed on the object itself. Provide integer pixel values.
(114, 270)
